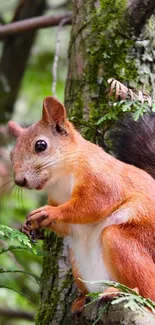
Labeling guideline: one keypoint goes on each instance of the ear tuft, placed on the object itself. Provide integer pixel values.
(53, 111)
(15, 129)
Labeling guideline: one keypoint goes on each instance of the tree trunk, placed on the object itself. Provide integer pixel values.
(100, 48)
(58, 290)
(15, 55)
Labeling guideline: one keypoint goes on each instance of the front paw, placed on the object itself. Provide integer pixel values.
(33, 234)
(41, 217)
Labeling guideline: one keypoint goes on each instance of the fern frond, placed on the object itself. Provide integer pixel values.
(132, 298)
(125, 93)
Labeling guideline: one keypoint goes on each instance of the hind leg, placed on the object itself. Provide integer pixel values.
(127, 260)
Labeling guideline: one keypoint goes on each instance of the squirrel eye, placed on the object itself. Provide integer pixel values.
(40, 145)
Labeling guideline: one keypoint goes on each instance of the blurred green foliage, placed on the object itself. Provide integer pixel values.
(16, 204)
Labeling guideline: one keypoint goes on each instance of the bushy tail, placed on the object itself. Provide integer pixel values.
(133, 142)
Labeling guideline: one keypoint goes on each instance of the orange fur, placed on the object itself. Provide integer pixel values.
(128, 258)
(100, 188)
(78, 305)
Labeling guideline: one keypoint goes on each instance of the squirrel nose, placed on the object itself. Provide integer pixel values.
(21, 181)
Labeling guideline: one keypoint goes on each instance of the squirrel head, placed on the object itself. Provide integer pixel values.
(42, 151)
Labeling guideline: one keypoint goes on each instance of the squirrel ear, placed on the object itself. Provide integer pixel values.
(53, 111)
(15, 129)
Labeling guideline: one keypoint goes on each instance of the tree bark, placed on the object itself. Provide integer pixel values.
(100, 48)
(138, 13)
(15, 55)
(58, 289)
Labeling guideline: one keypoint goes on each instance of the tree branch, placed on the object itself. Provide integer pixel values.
(18, 314)
(33, 24)
(114, 314)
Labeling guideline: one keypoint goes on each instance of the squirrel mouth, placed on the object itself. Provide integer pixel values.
(41, 185)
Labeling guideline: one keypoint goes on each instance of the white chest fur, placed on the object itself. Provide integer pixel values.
(87, 248)
(61, 191)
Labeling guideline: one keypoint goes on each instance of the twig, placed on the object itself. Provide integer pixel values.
(34, 23)
(12, 256)
(18, 314)
(56, 56)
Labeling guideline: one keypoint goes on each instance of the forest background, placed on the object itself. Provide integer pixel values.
(36, 85)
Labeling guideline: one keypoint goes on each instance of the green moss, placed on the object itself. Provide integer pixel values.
(52, 245)
(50, 286)
(77, 111)
(110, 47)
(107, 51)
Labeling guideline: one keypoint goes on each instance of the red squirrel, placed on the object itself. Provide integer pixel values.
(105, 207)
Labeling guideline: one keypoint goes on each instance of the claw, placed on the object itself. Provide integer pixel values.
(28, 223)
(33, 236)
(33, 240)
(33, 233)
(36, 234)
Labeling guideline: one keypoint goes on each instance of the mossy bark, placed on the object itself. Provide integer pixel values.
(58, 289)
(100, 48)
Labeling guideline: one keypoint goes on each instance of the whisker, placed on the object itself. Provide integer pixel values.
(57, 159)
(60, 162)
(5, 159)
(15, 194)
(18, 198)
(21, 197)
(6, 176)
(9, 182)
(6, 198)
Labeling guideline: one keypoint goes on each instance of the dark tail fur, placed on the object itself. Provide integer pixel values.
(133, 142)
